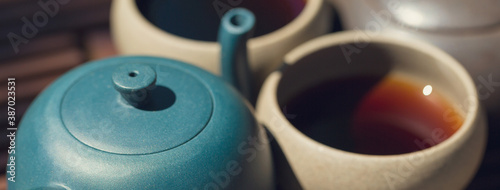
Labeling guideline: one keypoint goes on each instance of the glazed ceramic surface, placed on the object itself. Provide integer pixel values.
(140, 123)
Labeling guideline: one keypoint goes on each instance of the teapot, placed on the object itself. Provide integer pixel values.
(141, 122)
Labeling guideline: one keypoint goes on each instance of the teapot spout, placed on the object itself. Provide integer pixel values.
(235, 29)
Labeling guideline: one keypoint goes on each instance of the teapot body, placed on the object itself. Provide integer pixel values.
(228, 151)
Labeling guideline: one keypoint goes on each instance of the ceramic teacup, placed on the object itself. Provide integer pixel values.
(467, 31)
(443, 162)
(187, 30)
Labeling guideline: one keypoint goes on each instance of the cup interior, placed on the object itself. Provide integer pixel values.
(200, 19)
(326, 89)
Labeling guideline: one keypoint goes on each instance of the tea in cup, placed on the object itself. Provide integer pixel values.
(377, 113)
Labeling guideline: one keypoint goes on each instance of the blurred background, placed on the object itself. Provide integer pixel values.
(78, 33)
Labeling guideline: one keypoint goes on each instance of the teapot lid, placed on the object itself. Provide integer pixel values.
(140, 107)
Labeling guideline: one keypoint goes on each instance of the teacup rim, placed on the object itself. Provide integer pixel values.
(348, 37)
(308, 13)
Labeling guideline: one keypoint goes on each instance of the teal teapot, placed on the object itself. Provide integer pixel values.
(146, 123)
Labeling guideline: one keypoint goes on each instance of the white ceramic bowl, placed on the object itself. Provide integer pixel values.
(467, 30)
(450, 164)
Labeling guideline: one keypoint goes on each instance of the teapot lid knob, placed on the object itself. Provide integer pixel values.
(135, 83)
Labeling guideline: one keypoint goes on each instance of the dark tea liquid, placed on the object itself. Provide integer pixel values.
(372, 116)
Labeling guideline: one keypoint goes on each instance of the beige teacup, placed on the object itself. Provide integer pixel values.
(450, 164)
(134, 34)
